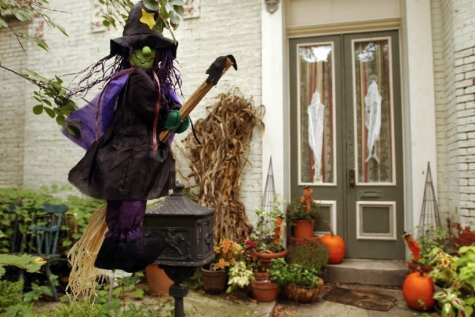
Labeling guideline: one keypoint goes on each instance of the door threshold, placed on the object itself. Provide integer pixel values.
(367, 272)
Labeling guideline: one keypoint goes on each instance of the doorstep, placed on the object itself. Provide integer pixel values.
(367, 272)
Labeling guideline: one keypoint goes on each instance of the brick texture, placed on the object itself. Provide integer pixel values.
(35, 153)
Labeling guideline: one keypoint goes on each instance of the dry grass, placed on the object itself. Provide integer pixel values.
(218, 163)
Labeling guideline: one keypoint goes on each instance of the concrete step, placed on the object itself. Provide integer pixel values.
(367, 272)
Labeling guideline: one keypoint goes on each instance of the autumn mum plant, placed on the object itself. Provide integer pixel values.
(226, 253)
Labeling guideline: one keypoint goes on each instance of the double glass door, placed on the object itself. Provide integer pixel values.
(346, 138)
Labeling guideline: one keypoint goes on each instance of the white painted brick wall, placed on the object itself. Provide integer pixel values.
(455, 92)
(35, 153)
(12, 104)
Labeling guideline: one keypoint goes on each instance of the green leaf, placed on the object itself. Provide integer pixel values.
(3, 23)
(74, 131)
(106, 23)
(22, 15)
(151, 4)
(179, 10)
(46, 101)
(174, 18)
(37, 76)
(59, 80)
(42, 44)
(50, 112)
(38, 109)
(62, 30)
(60, 120)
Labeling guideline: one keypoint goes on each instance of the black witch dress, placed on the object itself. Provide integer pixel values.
(122, 164)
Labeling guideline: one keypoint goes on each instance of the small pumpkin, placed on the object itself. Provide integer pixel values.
(336, 247)
(418, 291)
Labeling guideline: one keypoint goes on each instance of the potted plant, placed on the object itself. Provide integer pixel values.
(215, 277)
(240, 276)
(302, 213)
(421, 248)
(299, 283)
(456, 276)
(267, 240)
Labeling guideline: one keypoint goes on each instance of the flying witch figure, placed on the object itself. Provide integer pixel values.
(125, 162)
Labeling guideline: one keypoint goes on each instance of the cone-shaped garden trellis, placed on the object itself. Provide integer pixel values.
(429, 221)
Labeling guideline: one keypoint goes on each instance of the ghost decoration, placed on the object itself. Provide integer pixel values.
(315, 133)
(373, 118)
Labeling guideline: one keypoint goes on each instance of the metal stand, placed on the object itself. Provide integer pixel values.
(178, 291)
(178, 274)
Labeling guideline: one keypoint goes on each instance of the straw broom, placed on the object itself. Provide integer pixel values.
(83, 255)
(194, 100)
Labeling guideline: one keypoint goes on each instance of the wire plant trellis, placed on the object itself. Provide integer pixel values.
(269, 196)
(429, 222)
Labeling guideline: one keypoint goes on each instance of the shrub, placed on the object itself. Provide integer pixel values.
(10, 294)
(310, 255)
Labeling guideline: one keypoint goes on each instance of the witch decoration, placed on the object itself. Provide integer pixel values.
(125, 162)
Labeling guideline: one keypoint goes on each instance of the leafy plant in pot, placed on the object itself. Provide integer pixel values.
(267, 236)
(215, 277)
(302, 213)
(421, 248)
(299, 283)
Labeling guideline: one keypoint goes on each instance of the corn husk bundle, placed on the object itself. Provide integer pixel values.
(83, 276)
(217, 165)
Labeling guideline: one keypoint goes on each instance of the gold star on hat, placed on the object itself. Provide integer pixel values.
(147, 18)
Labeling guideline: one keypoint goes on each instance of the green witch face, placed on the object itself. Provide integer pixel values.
(143, 57)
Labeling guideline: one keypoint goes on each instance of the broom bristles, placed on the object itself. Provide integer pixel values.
(82, 256)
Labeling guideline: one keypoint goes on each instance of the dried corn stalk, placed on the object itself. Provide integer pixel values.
(217, 165)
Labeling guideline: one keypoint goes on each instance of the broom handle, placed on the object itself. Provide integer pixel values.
(193, 101)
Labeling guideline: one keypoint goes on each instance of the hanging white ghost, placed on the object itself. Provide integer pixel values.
(373, 117)
(316, 112)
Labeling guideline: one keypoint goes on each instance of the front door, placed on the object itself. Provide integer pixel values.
(346, 138)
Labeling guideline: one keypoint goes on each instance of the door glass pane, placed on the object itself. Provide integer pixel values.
(373, 111)
(316, 115)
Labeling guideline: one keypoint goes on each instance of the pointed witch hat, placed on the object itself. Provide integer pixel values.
(138, 32)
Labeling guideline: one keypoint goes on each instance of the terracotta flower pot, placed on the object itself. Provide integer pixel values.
(414, 267)
(214, 282)
(303, 229)
(158, 281)
(264, 258)
(301, 294)
(264, 291)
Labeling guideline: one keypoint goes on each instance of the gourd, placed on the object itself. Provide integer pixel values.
(418, 291)
(336, 246)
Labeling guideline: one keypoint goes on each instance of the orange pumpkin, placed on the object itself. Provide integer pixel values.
(418, 291)
(336, 247)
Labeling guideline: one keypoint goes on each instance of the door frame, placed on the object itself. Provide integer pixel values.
(418, 94)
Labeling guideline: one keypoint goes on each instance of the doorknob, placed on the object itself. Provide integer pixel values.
(351, 177)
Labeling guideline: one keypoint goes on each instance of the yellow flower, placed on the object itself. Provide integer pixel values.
(40, 261)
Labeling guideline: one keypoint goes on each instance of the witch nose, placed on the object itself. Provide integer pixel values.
(146, 51)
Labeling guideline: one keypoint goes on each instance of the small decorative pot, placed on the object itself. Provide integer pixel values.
(264, 258)
(158, 281)
(303, 229)
(214, 282)
(264, 291)
(302, 294)
(414, 267)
